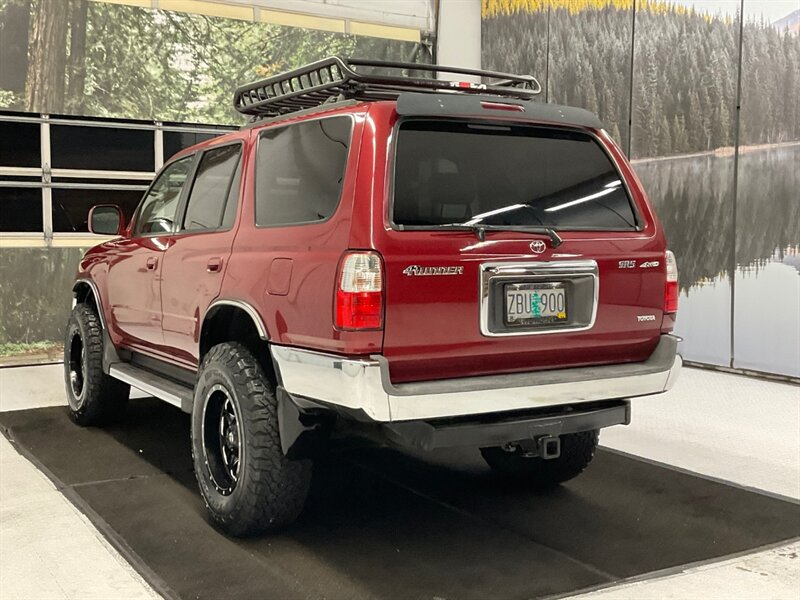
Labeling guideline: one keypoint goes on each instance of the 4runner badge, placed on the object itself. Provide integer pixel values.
(417, 271)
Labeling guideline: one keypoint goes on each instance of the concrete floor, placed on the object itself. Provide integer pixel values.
(49, 549)
(737, 429)
(734, 428)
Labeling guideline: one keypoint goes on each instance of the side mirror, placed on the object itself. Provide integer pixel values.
(105, 219)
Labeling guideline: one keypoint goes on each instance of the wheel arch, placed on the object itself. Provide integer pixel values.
(302, 433)
(231, 320)
(84, 291)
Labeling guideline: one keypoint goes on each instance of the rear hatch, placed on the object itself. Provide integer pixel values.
(514, 247)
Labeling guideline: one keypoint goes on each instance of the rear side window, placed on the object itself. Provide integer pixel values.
(211, 192)
(477, 174)
(299, 171)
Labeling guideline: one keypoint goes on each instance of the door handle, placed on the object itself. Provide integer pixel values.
(152, 263)
(214, 265)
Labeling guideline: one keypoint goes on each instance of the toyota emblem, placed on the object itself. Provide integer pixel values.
(538, 246)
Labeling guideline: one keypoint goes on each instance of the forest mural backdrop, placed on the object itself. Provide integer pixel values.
(92, 58)
(663, 76)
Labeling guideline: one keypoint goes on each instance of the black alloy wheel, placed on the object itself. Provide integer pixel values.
(222, 436)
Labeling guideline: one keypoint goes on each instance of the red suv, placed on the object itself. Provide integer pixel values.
(422, 262)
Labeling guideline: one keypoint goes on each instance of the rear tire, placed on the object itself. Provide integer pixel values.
(248, 485)
(94, 397)
(577, 451)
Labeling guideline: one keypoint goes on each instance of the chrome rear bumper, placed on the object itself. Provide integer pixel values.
(363, 385)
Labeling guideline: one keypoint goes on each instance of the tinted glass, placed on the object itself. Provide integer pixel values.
(21, 209)
(157, 212)
(20, 145)
(71, 207)
(175, 141)
(233, 199)
(211, 188)
(105, 148)
(300, 170)
(455, 172)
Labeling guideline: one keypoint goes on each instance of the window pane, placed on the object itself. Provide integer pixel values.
(71, 207)
(300, 170)
(106, 148)
(157, 213)
(175, 141)
(20, 145)
(233, 199)
(457, 172)
(21, 209)
(210, 189)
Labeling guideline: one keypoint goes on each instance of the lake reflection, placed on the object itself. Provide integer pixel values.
(693, 196)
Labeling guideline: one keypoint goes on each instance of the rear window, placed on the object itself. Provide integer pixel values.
(299, 171)
(450, 172)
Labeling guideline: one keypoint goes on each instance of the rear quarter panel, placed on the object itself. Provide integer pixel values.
(288, 273)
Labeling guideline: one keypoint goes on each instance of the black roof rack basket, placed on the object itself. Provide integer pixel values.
(334, 78)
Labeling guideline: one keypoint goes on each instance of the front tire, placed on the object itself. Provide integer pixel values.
(94, 398)
(248, 485)
(577, 451)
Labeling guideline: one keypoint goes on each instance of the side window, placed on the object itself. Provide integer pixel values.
(158, 208)
(211, 194)
(229, 216)
(299, 171)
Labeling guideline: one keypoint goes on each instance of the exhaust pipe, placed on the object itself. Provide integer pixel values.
(549, 447)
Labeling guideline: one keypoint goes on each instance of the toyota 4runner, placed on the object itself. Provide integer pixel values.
(424, 262)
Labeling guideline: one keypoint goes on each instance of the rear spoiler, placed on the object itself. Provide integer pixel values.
(410, 104)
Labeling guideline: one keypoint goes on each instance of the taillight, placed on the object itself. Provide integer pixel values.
(359, 292)
(671, 291)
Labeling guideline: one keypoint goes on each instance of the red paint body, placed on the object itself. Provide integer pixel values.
(430, 325)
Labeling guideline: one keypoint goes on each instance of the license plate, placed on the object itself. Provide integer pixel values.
(535, 303)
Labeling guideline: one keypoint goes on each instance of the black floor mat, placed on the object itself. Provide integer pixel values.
(382, 524)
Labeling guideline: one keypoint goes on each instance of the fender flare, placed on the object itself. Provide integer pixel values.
(246, 307)
(110, 355)
(97, 299)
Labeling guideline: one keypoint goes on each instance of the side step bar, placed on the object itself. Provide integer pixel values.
(162, 388)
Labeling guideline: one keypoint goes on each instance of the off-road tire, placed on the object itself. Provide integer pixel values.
(94, 397)
(270, 490)
(577, 451)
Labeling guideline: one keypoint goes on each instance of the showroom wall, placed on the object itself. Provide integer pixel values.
(664, 78)
(92, 67)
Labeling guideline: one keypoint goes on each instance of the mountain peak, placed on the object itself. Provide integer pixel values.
(790, 23)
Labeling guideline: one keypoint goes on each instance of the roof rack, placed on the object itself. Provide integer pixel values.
(336, 78)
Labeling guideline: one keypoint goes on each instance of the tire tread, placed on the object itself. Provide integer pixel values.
(106, 397)
(276, 487)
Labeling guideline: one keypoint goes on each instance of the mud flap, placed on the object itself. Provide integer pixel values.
(304, 433)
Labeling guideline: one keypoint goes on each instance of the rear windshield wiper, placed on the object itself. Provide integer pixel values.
(555, 239)
(480, 230)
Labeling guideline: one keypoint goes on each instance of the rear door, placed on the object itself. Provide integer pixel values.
(469, 291)
(198, 252)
